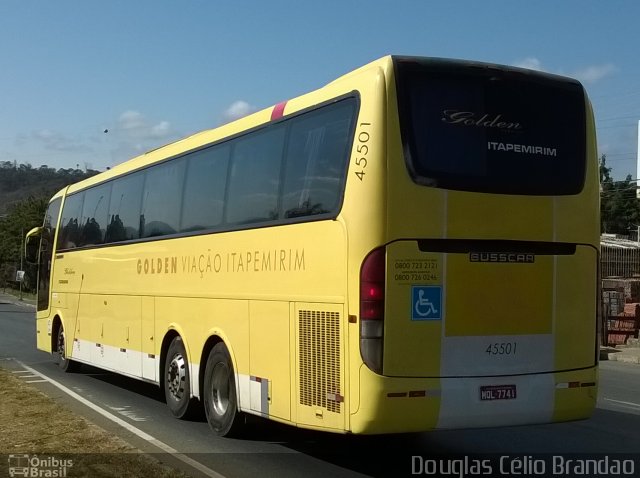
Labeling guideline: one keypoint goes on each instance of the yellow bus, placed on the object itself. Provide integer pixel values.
(413, 246)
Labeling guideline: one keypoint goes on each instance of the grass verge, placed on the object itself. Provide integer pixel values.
(26, 296)
(34, 424)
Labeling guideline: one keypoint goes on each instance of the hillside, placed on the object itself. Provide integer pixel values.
(21, 181)
(24, 194)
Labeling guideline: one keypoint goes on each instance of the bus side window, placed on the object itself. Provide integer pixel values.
(317, 157)
(124, 208)
(204, 189)
(255, 177)
(162, 199)
(70, 234)
(94, 214)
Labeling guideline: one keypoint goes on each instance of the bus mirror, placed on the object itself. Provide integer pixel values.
(32, 244)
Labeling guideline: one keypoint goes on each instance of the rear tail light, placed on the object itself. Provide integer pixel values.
(372, 292)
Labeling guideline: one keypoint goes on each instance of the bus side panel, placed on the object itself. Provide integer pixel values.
(269, 360)
(71, 322)
(119, 317)
(149, 356)
(107, 332)
(81, 347)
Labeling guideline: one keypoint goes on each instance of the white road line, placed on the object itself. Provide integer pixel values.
(128, 413)
(35, 381)
(145, 436)
(20, 371)
(630, 404)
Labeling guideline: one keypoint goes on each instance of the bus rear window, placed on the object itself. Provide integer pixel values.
(478, 127)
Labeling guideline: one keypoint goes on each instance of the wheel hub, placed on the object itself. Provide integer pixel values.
(176, 376)
(61, 345)
(220, 388)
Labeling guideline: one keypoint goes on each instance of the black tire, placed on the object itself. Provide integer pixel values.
(60, 354)
(177, 381)
(220, 401)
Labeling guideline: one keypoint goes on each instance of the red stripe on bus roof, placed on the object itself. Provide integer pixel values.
(278, 110)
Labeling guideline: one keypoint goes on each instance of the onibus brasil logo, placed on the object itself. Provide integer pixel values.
(38, 467)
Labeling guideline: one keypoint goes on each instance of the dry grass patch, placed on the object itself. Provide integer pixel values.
(34, 424)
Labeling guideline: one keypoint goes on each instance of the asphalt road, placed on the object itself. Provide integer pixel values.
(271, 449)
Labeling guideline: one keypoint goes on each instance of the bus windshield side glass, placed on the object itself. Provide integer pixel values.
(496, 130)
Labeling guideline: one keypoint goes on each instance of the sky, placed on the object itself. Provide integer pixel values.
(88, 84)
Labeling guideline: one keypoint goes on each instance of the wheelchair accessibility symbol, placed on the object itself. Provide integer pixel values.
(426, 302)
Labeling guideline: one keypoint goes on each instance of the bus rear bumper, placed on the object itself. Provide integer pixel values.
(401, 405)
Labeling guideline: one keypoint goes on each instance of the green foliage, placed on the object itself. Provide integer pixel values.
(20, 181)
(23, 216)
(24, 195)
(619, 206)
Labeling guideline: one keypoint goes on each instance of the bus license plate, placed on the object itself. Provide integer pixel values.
(497, 392)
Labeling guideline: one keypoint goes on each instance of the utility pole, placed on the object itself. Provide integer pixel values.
(21, 256)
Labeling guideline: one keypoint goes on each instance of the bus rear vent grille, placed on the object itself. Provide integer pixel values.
(319, 333)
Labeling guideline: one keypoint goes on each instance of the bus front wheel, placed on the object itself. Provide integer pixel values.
(177, 381)
(220, 402)
(60, 352)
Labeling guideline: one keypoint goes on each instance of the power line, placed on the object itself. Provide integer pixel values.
(622, 160)
(614, 127)
(618, 95)
(623, 188)
(618, 154)
(615, 118)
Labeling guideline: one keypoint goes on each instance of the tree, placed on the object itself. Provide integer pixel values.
(619, 206)
(19, 181)
(23, 216)
(24, 194)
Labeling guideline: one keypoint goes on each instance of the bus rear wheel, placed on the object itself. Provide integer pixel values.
(220, 401)
(60, 353)
(177, 381)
